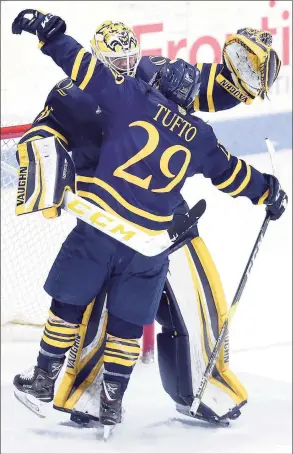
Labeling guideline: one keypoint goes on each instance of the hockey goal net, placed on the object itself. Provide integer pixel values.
(29, 245)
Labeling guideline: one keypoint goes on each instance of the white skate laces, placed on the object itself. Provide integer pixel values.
(28, 374)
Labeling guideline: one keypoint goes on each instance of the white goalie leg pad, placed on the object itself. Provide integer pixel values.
(202, 305)
(79, 389)
(89, 401)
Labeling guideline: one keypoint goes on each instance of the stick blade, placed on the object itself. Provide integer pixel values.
(185, 222)
(185, 230)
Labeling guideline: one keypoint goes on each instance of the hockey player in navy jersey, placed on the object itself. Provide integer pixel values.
(152, 147)
(223, 86)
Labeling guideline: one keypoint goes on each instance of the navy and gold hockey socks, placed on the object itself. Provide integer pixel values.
(58, 338)
(121, 351)
(119, 359)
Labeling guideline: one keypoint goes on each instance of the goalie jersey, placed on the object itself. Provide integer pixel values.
(144, 187)
(74, 117)
(82, 129)
(150, 145)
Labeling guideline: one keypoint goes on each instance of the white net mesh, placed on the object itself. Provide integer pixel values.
(29, 245)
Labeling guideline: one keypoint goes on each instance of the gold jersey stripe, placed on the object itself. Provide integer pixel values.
(210, 89)
(244, 183)
(89, 73)
(76, 64)
(263, 197)
(106, 207)
(122, 201)
(196, 105)
(232, 177)
(48, 129)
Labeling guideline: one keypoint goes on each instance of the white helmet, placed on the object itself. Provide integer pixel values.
(116, 45)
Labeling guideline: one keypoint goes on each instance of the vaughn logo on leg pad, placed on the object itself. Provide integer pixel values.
(73, 353)
(22, 183)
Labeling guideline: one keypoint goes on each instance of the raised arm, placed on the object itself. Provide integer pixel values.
(104, 85)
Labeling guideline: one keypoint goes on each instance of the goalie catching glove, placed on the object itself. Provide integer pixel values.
(253, 63)
(46, 171)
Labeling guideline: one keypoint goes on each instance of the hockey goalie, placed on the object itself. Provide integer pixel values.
(190, 312)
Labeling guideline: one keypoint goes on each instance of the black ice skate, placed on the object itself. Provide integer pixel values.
(35, 387)
(110, 406)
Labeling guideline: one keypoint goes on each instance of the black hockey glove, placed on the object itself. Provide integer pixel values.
(277, 199)
(45, 26)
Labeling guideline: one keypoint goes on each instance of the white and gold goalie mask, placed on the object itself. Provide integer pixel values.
(254, 64)
(116, 45)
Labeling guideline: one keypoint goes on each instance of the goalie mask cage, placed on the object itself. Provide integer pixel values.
(29, 245)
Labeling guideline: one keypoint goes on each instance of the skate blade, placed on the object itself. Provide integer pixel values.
(32, 403)
(108, 430)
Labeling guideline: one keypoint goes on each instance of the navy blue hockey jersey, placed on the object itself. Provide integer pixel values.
(74, 117)
(217, 90)
(149, 146)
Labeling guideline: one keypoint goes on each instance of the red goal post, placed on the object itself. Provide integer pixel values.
(9, 138)
(13, 132)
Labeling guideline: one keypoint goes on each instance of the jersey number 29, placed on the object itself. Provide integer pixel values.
(149, 148)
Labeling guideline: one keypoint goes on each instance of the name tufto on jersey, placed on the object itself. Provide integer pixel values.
(70, 113)
(149, 148)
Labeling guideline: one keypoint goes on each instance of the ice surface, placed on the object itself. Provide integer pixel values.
(260, 352)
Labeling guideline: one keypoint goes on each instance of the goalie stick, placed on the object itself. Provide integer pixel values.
(215, 353)
(126, 232)
(224, 331)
